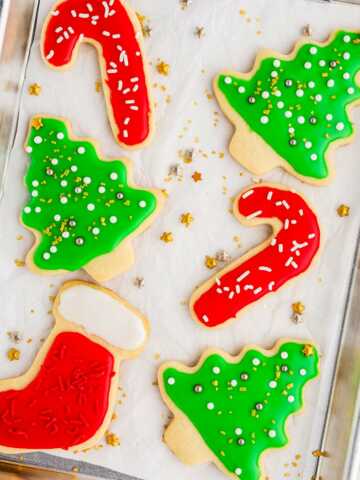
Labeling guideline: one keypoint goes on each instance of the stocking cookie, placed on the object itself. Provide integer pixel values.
(83, 211)
(115, 32)
(292, 110)
(230, 410)
(286, 254)
(66, 399)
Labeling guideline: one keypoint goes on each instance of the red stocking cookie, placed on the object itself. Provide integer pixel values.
(285, 255)
(113, 29)
(65, 400)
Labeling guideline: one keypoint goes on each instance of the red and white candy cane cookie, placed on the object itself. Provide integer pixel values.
(114, 30)
(288, 253)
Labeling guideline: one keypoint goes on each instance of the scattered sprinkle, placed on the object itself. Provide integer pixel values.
(163, 68)
(343, 210)
(139, 282)
(197, 177)
(210, 262)
(167, 237)
(34, 89)
(112, 439)
(13, 354)
(186, 219)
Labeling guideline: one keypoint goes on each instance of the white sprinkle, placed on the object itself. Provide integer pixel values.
(134, 79)
(217, 281)
(28, 149)
(238, 431)
(301, 120)
(346, 56)
(216, 370)
(81, 150)
(291, 399)
(115, 36)
(258, 290)
(265, 269)
(272, 384)
(233, 383)
(280, 104)
(313, 50)
(120, 85)
(249, 287)
(84, 15)
(273, 242)
(60, 39)
(294, 264)
(34, 193)
(53, 249)
(27, 209)
(318, 97)
(73, 13)
(286, 224)
(57, 217)
(50, 55)
(347, 38)
(73, 168)
(300, 92)
(127, 121)
(142, 204)
(101, 189)
(60, 136)
(340, 126)
(55, 13)
(274, 74)
(171, 381)
(280, 248)
(134, 107)
(237, 288)
(205, 318)
(329, 117)
(37, 209)
(54, 161)
(87, 180)
(241, 89)
(269, 196)
(219, 290)
(227, 80)
(322, 63)
(63, 183)
(346, 76)
(242, 276)
(351, 90)
(226, 289)
(271, 285)
(272, 433)
(311, 235)
(313, 157)
(125, 133)
(286, 205)
(231, 295)
(256, 362)
(63, 200)
(114, 176)
(96, 231)
(264, 119)
(308, 144)
(330, 83)
(248, 193)
(288, 261)
(254, 215)
(113, 219)
(238, 471)
(288, 114)
(38, 140)
(301, 212)
(90, 207)
(307, 65)
(265, 94)
(46, 256)
(35, 183)
(65, 234)
(66, 35)
(284, 355)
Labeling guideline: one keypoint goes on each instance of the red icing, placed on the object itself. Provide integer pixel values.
(67, 401)
(108, 24)
(289, 254)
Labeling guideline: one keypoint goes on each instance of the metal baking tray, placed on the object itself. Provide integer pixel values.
(340, 436)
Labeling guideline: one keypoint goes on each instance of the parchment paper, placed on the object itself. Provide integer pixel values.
(171, 271)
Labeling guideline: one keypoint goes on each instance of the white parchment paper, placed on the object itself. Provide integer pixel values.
(185, 119)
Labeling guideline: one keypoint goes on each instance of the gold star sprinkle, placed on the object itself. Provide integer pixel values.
(139, 282)
(167, 237)
(146, 31)
(298, 308)
(320, 453)
(112, 439)
(197, 177)
(163, 68)
(19, 263)
(98, 86)
(210, 262)
(343, 210)
(185, 4)
(34, 89)
(199, 32)
(308, 350)
(13, 354)
(37, 123)
(186, 219)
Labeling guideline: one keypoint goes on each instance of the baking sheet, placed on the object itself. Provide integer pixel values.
(185, 119)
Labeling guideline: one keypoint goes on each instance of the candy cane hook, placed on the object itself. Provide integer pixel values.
(114, 30)
(288, 253)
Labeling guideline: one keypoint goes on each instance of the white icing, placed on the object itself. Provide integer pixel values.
(102, 315)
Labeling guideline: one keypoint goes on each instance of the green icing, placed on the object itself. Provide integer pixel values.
(231, 410)
(82, 206)
(300, 120)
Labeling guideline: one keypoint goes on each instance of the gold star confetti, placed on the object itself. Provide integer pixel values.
(146, 31)
(197, 177)
(298, 308)
(112, 439)
(210, 262)
(308, 350)
(320, 453)
(139, 282)
(14, 336)
(165, 192)
(163, 68)
(19, 263)
(145, 27)
(13, 354)
(185, 4)
(307, 31)
(199, 32)
(186, 219)
(34, 89)
(343, 210)
(98, 86)
(37, 123)
(167, 237)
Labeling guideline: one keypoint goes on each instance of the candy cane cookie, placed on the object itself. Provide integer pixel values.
(113, 29)
(66, 399)
(285, 255)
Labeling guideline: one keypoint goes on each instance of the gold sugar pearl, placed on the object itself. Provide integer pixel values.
(13, 354)
(343, 210)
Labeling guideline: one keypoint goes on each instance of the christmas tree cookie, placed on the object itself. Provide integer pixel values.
(82, 210)
(114, 30)
(230, 410)
(292, 110)
(66, 399)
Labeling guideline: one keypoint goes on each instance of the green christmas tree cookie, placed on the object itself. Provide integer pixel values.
(292, 110)
(229, 410)
(83, 210)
